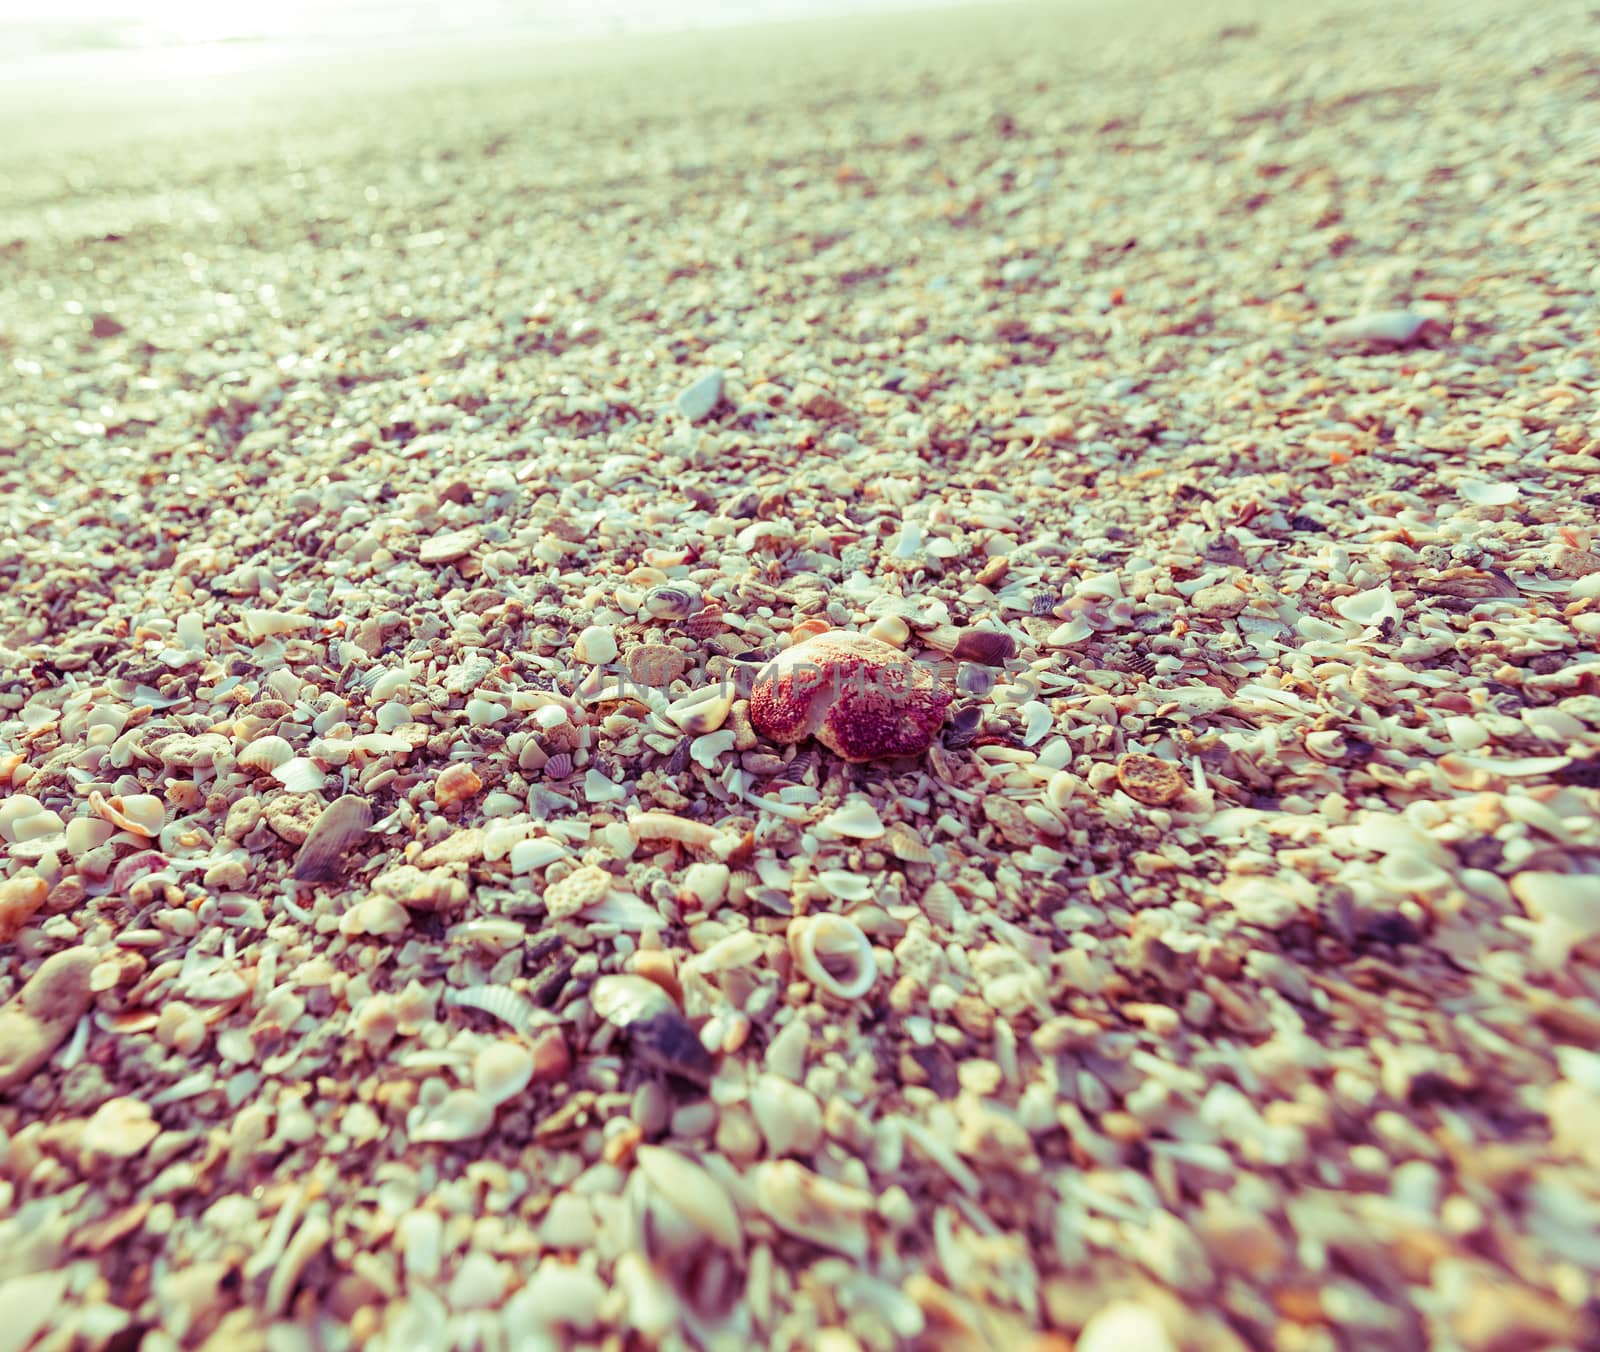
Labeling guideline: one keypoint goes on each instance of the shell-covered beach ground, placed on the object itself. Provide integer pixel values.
(411, 938)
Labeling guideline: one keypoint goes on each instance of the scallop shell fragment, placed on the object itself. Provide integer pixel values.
(338, 826)
(266, 754)
(509, 1006)
(834, 955)
(906, 844)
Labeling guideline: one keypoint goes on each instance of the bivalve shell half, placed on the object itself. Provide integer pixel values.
(501, 1071)
(338, 826)
(799, 1202)
(266, 754)
(991, 647)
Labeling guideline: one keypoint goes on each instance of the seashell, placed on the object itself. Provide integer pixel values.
(986, 645)
(834, 955)
(596, 645)
(456, 784)
(529, 855)
(300, 775)
(941, 904)
(140, 813)
(135, 866)
(1037, 720)
(861, 698)
(460, 1116)
(338, 826)
(666, 826)
(707, 622)
(668, 1042)
(856, 818)
(381, 917)
(796, 770)
(496, 934)
(685, 1204)
(509, 1006)
(1368, 607)
(702, 711)
(1484, 493)
(1073, 631)
(801, 1203)
(788, 1116)
(266, 754)
(699, 399)
(673, 601)
(624, 910)
(974, 679)
(36, 825)
(906, 844)
(268, 623)
(845, 885)
(707, 751)
(558, 766)
(1390, 328)
(1148, 779)
(501, 1071)
(20, 897)
(625, 998)
(19, 808)
(964, 726)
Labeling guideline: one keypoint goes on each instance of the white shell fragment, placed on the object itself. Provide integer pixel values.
(1392, 328)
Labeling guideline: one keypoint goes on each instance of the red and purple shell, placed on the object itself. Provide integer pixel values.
(861, 698)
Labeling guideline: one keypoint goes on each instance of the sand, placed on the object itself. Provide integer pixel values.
(426, 918)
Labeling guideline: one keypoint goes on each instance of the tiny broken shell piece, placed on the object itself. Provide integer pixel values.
(859, 697)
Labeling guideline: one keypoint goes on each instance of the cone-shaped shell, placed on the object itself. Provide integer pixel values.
(861, 698)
